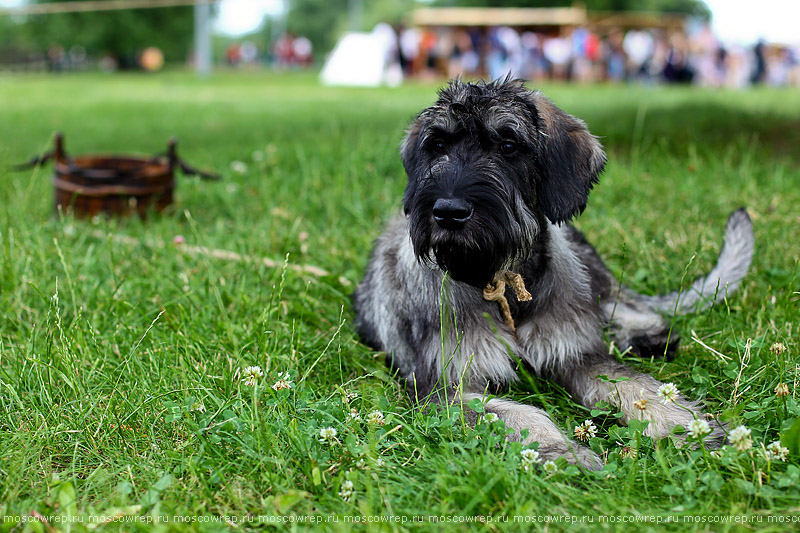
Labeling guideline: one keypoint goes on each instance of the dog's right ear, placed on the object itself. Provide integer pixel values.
(410, 153)
(409, 150)
(570, 159)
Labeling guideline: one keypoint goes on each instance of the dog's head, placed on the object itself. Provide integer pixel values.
(486, 164)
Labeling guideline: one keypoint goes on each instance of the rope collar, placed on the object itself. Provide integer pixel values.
(495, 291)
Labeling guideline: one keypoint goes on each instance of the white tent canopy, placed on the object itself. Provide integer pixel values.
(363, 60)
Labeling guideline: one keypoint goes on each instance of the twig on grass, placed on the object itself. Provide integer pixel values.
(722, 357)
(218, 253)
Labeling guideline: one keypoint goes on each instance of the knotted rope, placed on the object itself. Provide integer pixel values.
(495, 291)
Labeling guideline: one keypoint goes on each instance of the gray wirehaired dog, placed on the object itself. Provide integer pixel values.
(484, 269)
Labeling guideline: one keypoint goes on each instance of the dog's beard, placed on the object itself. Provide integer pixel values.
(466, 260)
(493, 240)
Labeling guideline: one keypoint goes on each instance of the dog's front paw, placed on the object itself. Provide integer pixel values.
(663, 419)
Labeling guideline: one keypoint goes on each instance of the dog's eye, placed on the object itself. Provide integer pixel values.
(508, 147)
(437, 146)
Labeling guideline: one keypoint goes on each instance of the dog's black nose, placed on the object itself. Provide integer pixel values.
(451, 213)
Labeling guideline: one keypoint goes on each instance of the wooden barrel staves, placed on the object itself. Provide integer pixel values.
(112, 184)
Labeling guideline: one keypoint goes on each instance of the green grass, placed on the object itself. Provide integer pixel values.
(108, 347)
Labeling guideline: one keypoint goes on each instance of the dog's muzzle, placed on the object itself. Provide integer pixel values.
(452, 213)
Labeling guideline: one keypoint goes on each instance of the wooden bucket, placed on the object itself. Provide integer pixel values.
(113, 184)
(118, 185)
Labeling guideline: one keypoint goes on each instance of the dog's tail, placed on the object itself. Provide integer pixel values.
(731, 267)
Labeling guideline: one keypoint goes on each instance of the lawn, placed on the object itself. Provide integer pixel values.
(123, 352)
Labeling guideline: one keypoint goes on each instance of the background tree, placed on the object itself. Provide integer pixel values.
(121, 34)
(321, 21)
(324, 21)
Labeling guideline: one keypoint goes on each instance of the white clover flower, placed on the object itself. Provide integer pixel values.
(529, 458)
(350, 396)
(585, 431)
(284, 381)
(327, 435)
(361, 463)
(550, 467)
(198, 407)
(375, 417)
(776, 451)
(379, 462)
(353, 416)
(240, 167)
(251, 375)
(668, 392)
(346, 490)
(490, 418)
(697, 429)
(740, 438)
(529, 455)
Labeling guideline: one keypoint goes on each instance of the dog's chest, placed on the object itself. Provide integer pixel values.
(551, 332)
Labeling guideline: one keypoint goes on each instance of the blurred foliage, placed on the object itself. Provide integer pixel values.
(121, 34)
(6, 35)
(319, 20)
(324, 21)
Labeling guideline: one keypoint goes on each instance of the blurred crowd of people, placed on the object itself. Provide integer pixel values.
(653, 55)
(646, 56)
(288, 51)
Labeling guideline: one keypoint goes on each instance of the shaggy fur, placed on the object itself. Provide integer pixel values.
(495, 172)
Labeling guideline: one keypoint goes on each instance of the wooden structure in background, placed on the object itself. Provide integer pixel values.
(552, 19)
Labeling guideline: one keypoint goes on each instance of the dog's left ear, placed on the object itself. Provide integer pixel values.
(570, 160)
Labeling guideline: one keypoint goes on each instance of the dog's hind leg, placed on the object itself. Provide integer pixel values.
(636, 327)
(636, 395)
(638, 321)
(632, 324)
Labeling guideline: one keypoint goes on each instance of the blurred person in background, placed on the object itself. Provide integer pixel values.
(534, 66)
(558, 53)
(464, 59)
(639, 47)
(759, 63)
(284, 50)
(614, 56)
(409, 43)
(678, 69)
(303, 52)
(580, 69)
